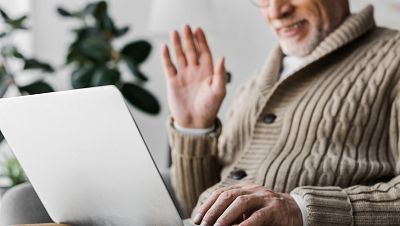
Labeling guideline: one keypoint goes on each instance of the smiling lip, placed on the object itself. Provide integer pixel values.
(291, 30)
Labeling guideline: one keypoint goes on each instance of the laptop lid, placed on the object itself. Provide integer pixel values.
(86, 158)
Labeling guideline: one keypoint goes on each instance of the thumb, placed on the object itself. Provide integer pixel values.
(220, 75)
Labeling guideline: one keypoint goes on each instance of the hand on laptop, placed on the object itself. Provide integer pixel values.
(196, 87)
(249, 205)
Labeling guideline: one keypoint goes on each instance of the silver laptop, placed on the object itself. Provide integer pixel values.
(86, 158)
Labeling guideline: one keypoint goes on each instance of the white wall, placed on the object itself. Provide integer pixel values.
(387, 12)
(242, 37)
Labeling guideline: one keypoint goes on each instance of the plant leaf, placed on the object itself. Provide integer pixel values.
(97, 9)
(82, 77)
(15, 172)
(106, 24)
(4, 81)
(17, 23)
(96, 49)
(36, 64)
(11, 51)
(4, 15)
(101, 9)
(20, 20)
(73, 56)
(36, 88)
(1, 137)
(121, 31)
(137, 51)
(134, 68)
(106, 76)
(87, 32)
(140, 98)
(64, 12)
(75, 52)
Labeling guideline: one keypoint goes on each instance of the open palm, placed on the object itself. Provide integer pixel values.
(196, 88)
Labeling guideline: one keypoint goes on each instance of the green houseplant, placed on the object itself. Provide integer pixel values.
(12, 63)
(12, 171)
(9, 52)
(96, 61)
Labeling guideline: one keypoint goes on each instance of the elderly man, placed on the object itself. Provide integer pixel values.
(312, 139)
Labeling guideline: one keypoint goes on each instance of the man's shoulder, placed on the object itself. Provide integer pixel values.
(381, 40)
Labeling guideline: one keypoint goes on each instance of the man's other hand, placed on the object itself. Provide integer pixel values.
(249, 204)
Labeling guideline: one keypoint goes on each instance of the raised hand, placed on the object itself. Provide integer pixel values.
(196, 87)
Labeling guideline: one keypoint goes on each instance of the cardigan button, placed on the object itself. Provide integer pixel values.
(269, 118)
(237, 174)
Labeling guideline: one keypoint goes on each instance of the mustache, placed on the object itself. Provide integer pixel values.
(285, 22)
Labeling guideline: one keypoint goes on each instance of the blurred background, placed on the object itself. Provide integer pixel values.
(37, 56)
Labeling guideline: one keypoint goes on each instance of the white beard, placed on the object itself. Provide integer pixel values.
(300, 49)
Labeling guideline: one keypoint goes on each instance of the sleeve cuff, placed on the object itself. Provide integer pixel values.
(190, 145)
(193, 131)
(303, 208)
(329, 206)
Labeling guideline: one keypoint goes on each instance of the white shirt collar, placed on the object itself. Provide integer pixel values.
(290, 64)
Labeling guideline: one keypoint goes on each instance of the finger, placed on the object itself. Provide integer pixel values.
(209, 202)
(220, 205)
(262, 216)
(204, 49)
(189, 46)
(180, 55)
(242, 205)
(220, 78)
(169, 67)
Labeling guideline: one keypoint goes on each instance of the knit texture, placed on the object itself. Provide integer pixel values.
(335, 140)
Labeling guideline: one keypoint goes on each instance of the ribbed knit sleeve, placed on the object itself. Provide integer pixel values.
(378, 204)
(326, 205)
(195, 163)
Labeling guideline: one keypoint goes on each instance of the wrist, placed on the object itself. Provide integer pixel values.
(193, 131)
(194, 124)
(295, 211)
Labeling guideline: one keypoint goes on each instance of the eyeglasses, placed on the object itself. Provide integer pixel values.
(260, 3)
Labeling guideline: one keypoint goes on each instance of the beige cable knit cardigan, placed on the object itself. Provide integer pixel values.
(335, 139)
